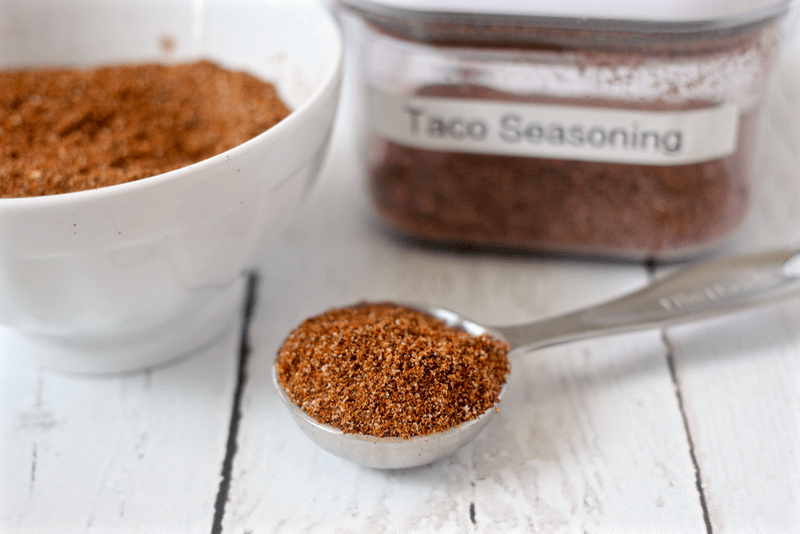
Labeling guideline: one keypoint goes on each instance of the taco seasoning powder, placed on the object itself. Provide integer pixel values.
(69, 129)
(384, 370)
(599, 137)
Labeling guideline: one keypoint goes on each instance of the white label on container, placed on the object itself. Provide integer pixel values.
(555, 131)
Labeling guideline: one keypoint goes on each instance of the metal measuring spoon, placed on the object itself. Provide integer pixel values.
(709, 289)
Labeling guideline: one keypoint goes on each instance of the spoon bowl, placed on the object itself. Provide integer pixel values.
(703, 291)
(385, 453)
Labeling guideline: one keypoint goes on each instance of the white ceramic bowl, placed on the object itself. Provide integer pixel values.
(130, 276)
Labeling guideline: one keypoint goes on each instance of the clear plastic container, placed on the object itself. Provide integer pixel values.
(620, 133)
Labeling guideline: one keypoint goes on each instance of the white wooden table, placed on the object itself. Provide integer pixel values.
(691, 429)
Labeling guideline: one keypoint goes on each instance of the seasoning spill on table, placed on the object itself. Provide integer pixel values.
(598, 136)
(385, 370)
(67, 129)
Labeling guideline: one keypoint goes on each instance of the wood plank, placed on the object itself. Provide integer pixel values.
(137, 453)
(740, 381)
(740, 378)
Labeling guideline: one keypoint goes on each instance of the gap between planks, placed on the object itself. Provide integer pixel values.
(650, 266)
(236, 412)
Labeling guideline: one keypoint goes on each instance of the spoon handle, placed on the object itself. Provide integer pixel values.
(706, 290)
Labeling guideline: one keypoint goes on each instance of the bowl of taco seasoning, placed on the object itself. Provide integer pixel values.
(150, 154)
(617, 129)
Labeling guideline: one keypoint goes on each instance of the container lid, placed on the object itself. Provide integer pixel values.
(669, 11)
(673, 26)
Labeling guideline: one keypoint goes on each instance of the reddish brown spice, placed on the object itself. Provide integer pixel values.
(559, 205)
(383, 370)
(68, 129)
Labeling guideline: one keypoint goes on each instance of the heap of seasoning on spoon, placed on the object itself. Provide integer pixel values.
(385, 370)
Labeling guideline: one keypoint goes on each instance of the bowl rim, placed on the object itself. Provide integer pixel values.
(330, 79)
